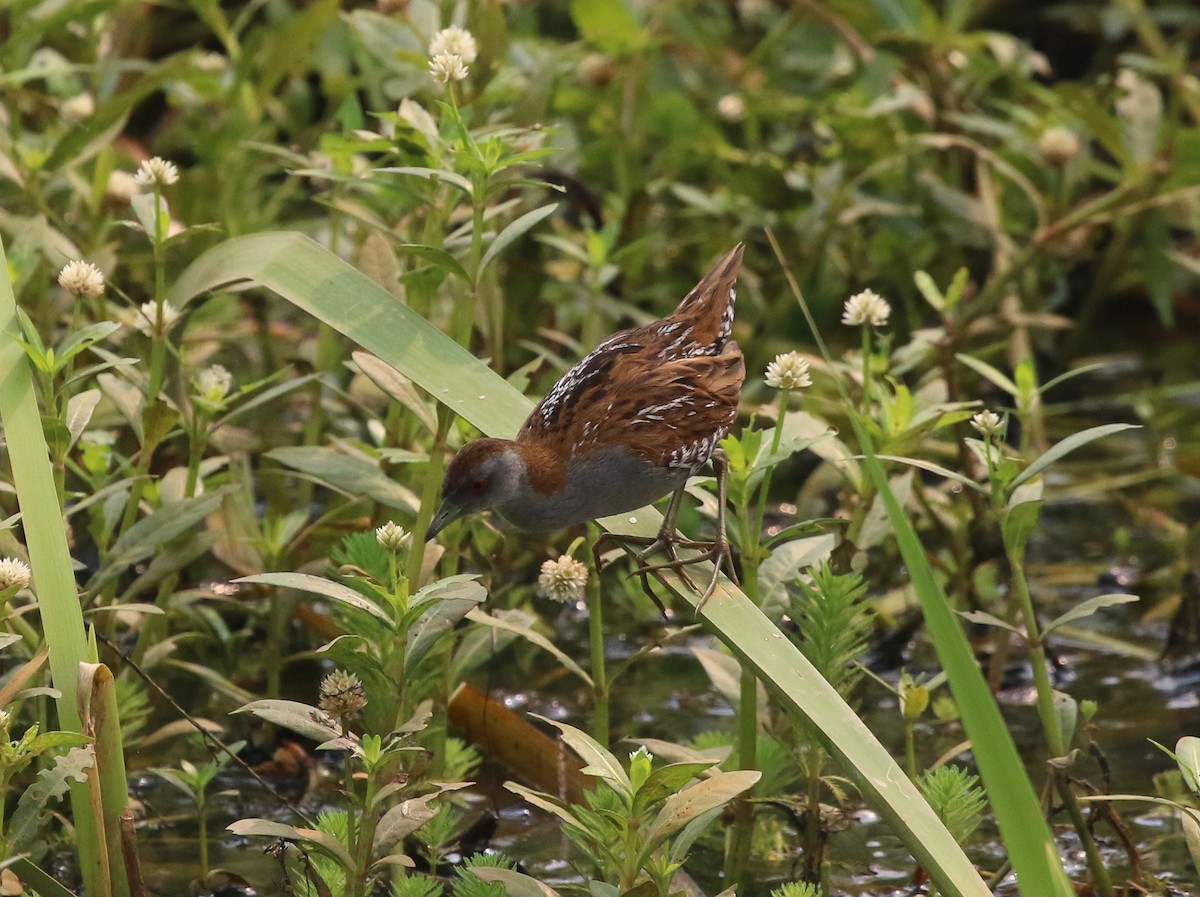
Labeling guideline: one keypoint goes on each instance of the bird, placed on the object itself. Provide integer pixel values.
(627, 425)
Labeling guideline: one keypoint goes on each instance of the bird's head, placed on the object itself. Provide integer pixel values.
(484, 473)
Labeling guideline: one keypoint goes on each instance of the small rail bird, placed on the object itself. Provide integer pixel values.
(625, 426)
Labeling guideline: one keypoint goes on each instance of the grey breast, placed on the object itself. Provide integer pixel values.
(606, 481)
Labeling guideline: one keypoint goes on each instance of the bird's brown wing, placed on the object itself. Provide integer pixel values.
(672, 414)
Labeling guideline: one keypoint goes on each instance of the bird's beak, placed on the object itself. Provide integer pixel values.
(445, 515)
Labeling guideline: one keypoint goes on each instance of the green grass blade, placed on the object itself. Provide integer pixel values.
(313, 279)
(1026, 835)
(49, 557)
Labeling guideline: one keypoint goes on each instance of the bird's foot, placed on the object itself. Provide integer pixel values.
(718, 552)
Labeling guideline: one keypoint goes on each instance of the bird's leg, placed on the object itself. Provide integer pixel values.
(717, 551)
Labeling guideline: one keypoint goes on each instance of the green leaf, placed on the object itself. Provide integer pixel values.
(514, 230)
(667, 780)
(265, 828)
(935, 468)
(534, 638)
(1068, 445)
(983, 618)
(988, 372)
(517, 884)
(439, 258)
(432, 174)
(1018, 525)
(705, 795)
(353, 475)
(300, 718)
(1086, 609)
(599, 761)
(318, 585)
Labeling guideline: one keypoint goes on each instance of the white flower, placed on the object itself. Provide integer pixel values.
(1057, 146)
(867, 307)
(732, 107)
(156, 171)
(213, 384)
(392, 537)
(447, 67)
(455, 41)
(146, 318)
(562, 579)
(788, 371)
(81, 279)
(986, 422)
(14, 573)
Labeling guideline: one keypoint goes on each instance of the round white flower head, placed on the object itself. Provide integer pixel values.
(447, 67)
(342, 694)
(866, 308)
(986, 423)
(213, 384)
(1057, 146)
(146, 317)
(14, 573)
(788, 371)
(156, 171)
(732, 107)
(392, 537)
(562, 579)
(81, 279)
(455, 41)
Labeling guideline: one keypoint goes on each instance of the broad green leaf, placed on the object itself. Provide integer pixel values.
(1068, 445)
(353, 475)
(599, 761)
(667, 780)
(432, 174)
(705, 795)
(514, 230)
(318, 585)
(517, 884)
(545, 802)
(1187, 755)
(1086, 609)
(534, 638)
(300, 718)
(1018, 525)
(266, 828)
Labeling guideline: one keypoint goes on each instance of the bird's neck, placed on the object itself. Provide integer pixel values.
(545, 467)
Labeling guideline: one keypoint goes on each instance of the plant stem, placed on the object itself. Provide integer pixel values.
(600, 727)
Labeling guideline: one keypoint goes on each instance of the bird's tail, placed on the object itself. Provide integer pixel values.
(709, 306)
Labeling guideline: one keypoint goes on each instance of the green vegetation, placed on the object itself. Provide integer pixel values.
(270, 263)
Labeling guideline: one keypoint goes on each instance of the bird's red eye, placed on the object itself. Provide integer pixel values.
(479, 485)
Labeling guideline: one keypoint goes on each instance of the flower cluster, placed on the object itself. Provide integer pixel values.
(342, 694)
(788, 371)
(14, 573)
(450, 52)
(146, 317)
(866, 308)
(987, 423)
(81, 279)
(156, 172)
(392, 537)
(563, 579)
(213, 385)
